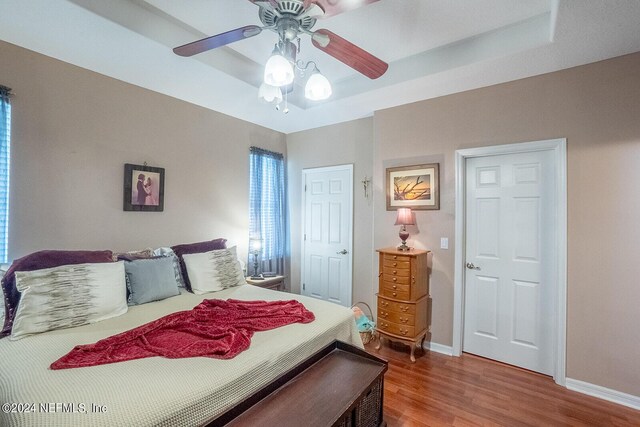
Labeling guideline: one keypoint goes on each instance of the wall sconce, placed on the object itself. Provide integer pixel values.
(404, 218)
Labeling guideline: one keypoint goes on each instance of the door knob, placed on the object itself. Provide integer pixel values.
(342, 252)
(470, 266)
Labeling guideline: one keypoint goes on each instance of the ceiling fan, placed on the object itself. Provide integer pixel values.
(289, 19)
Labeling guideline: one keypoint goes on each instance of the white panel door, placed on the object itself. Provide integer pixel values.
(327, 217)
(509, 285)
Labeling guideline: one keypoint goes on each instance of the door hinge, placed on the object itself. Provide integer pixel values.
(305, 188)
(304, 287)
(305, 237)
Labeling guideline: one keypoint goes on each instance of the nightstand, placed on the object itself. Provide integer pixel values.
(275, 283)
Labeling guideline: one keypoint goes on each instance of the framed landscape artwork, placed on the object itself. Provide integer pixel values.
(416, 187)
(143, 188)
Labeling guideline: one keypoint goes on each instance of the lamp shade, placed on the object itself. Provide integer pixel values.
(278, 71)
(255, 245)
(405, 217)
(317, 87)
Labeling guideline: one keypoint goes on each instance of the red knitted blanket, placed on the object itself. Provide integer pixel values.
(220, 329)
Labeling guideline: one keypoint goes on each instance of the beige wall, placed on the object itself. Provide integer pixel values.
(597, 108)
(345, 143)
(72, 132)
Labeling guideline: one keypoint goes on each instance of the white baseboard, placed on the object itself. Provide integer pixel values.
(438, 348)
(604, 393)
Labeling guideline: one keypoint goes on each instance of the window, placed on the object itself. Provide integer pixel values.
(5, 134)
(267, 207)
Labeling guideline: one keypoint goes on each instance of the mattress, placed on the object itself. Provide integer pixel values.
(155, 391)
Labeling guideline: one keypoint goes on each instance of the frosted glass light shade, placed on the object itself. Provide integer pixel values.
(317, 87)
(278, 71)
(270, 94)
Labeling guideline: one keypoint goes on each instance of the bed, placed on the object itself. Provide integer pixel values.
(156, 391)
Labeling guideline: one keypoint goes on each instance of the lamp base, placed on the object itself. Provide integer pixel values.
(256, 278)
(403, 247)
(404, 235)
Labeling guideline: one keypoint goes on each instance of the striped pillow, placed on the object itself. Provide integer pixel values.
(68, 296)
(214, 271)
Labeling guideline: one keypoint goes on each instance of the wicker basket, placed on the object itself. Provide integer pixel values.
(367, 336)
(368, 413)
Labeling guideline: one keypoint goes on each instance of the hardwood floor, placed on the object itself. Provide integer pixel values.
(469, 391)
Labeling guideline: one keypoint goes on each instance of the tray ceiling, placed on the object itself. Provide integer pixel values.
(433, 47)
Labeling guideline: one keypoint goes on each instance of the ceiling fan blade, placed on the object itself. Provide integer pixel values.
(334, 7)
(273, 3)
(218, 40)
(349, 54)
(313, 11)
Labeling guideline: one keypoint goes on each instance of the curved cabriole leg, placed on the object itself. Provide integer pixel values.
(379, 342)
(413, 357)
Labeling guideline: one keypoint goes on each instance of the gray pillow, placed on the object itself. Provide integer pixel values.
(150, 279)
(168, 252)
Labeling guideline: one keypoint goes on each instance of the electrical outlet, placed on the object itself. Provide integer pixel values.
(444, 243)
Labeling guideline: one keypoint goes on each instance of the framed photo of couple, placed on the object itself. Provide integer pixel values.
(143, 188)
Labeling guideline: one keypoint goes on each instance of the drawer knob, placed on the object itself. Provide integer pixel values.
(395, 279)
(403, 332)
(405, 320)
(394, 272)
(395, 257)
(395, 264)
(395, 287)
(395, 294)
(404, 309)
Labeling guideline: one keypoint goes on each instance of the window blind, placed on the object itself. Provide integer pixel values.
(5, 136)
(267, 207)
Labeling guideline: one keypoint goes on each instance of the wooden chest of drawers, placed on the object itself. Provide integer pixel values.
(403, 296)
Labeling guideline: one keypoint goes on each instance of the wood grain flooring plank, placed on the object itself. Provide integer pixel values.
(440, 390)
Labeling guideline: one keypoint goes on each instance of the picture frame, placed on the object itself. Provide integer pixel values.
(416, 187)
(143, 188)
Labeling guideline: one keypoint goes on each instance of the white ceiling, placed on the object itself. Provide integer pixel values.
(433, 47)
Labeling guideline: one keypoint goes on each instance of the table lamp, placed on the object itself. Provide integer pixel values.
(404, 218)
(255, 247)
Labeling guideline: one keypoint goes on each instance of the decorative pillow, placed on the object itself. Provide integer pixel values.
(132, 255)
(37, 261)
(168, 252)
(150, 279)
(214, 270)
(68, 296)
(3, 270)
(195, 248)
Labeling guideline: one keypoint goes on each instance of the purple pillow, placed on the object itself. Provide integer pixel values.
(195, 248)
(38, 261)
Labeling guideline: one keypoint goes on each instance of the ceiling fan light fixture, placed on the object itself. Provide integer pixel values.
(291, 20)
(318, 87)
(278, 71)
(270, 94)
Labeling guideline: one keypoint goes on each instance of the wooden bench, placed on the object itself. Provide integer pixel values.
(340, 385)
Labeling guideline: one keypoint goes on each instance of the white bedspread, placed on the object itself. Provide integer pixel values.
(155, 391)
